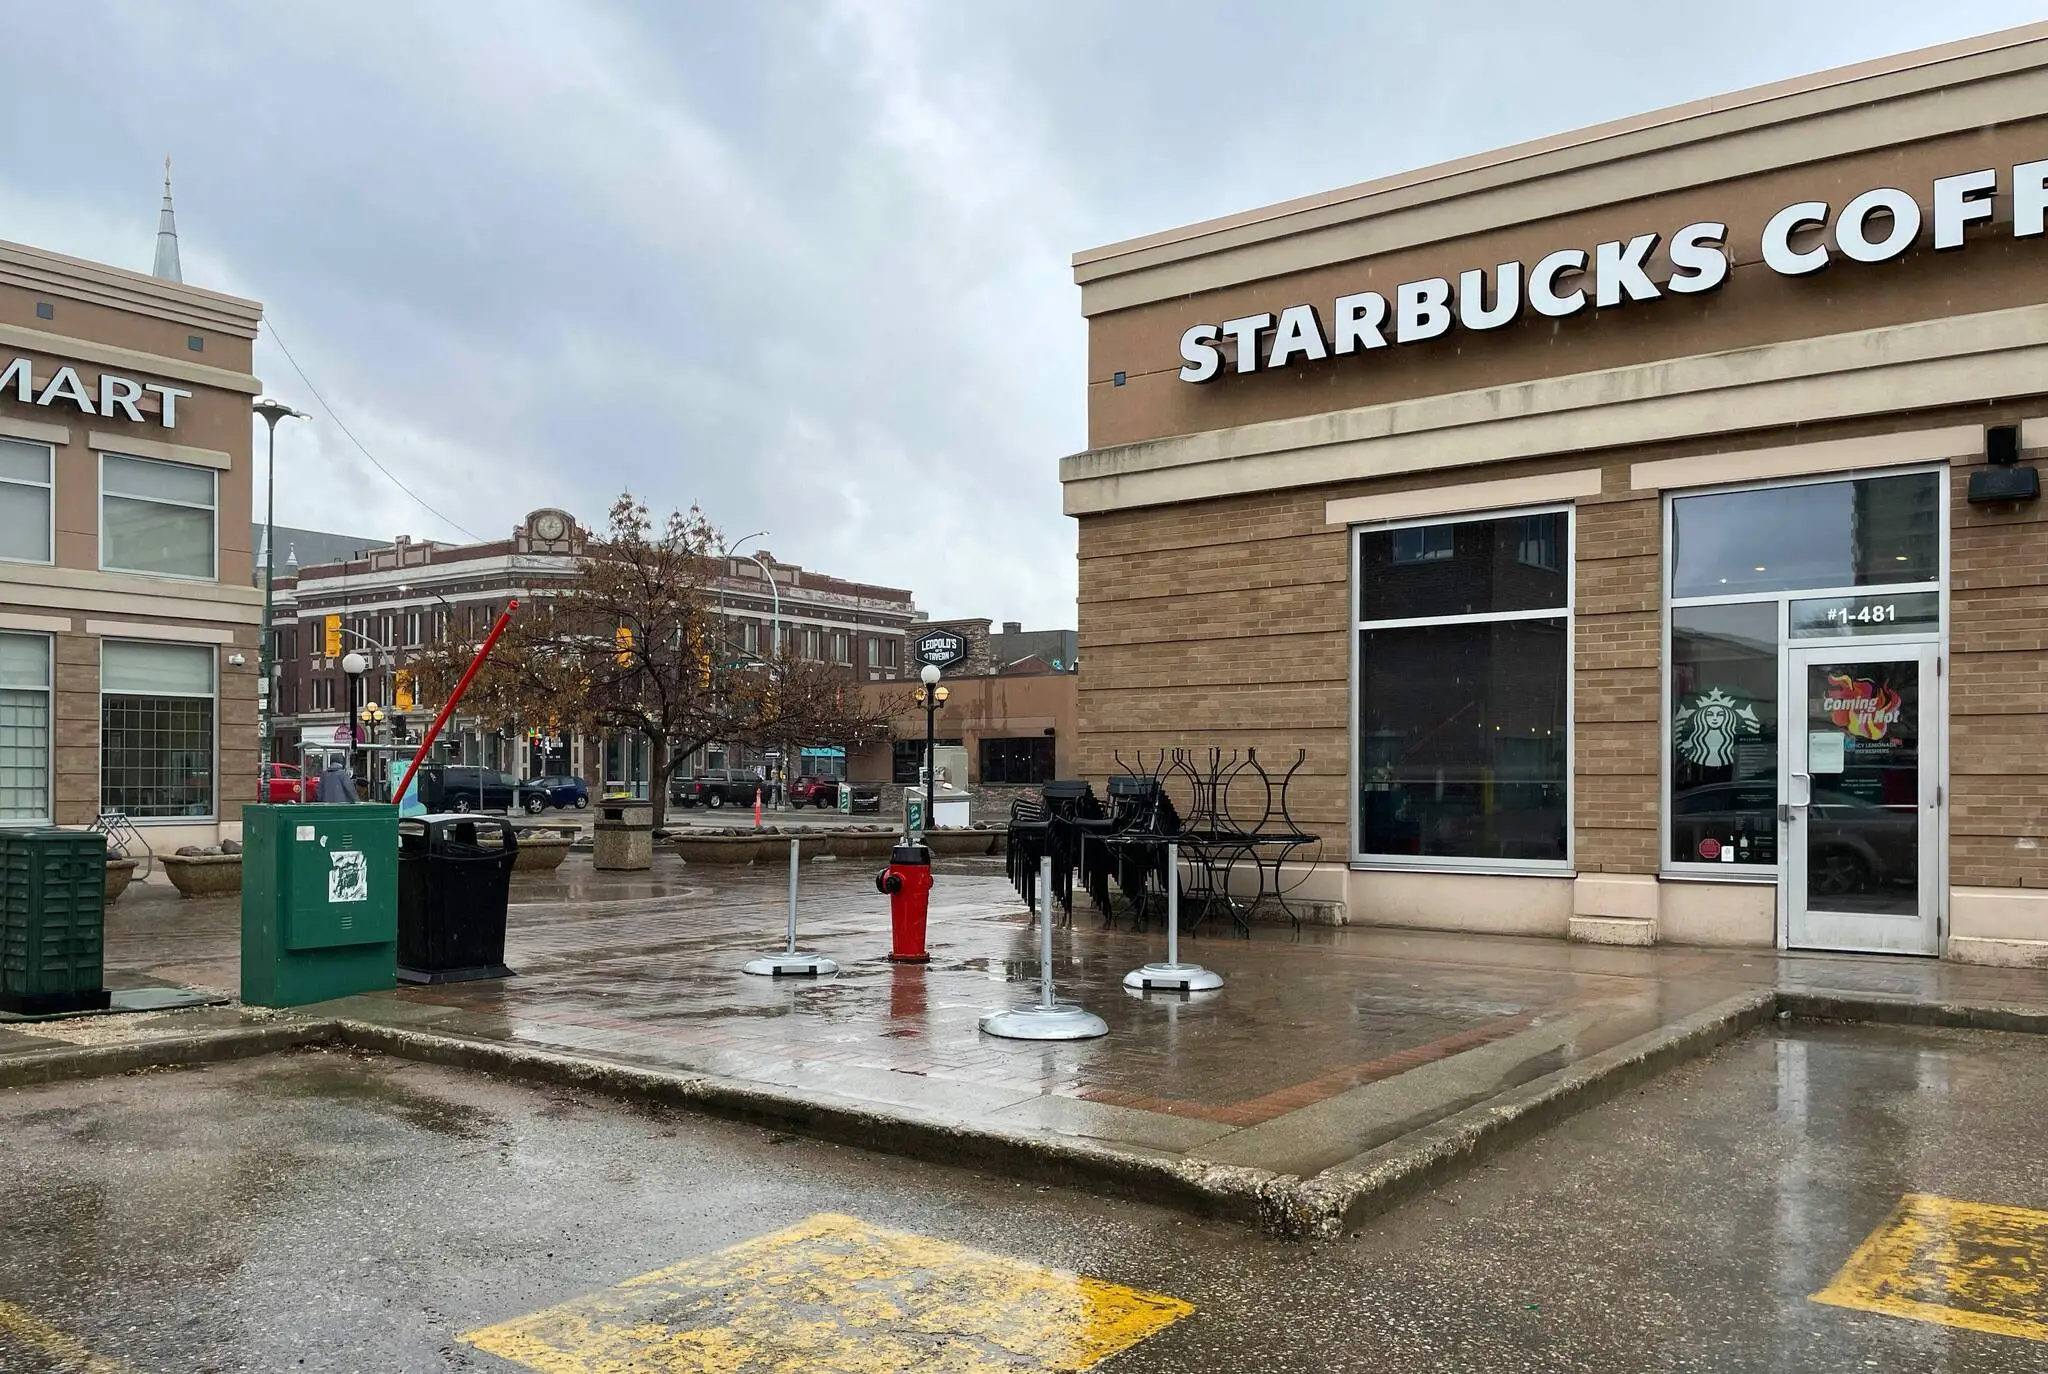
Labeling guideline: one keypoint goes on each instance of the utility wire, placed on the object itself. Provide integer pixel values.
(315, 392)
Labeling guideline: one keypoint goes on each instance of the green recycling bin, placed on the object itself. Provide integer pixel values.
(53, 903)
(319, 902)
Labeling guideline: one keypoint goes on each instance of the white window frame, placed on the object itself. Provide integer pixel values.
(50, 699)
(212, 695)
(1700, 870)
(1413, 863)
(212, 509)
(49, 487)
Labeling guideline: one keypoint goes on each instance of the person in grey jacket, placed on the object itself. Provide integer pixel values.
(337, 784)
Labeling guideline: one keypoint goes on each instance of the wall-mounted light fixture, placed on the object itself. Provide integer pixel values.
(2003, 479)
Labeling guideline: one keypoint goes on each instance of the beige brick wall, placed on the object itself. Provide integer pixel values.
(1998, 692)
(1224, 624)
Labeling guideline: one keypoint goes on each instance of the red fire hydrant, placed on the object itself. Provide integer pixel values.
(908, 882)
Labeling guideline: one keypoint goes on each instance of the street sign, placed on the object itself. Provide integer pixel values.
(940, 648)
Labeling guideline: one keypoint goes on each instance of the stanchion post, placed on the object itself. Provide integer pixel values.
(790, 962)
(1047, 1018)
(1173, 975)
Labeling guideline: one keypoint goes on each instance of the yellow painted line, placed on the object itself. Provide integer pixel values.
(65, 1350)
(835, 1295)
(1976, 1265)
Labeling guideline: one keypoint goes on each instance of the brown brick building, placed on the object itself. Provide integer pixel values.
(1598, 513)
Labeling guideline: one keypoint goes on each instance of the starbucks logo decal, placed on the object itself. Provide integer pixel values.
(1708, 726)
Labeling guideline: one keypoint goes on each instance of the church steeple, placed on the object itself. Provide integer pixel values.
(167, 236)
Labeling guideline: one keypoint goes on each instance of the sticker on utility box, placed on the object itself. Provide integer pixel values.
(305, 833)
(348, 879)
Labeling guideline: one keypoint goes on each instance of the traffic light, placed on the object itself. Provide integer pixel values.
(623, 639)
(332, 626)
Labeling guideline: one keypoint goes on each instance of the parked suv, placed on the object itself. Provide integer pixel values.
(464, 788)
(822, 793)
(714, 788)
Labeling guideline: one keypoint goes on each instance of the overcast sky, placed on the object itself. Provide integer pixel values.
(804, 262)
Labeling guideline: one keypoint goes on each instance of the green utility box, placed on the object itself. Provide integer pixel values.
(319, 902)
(53, 905)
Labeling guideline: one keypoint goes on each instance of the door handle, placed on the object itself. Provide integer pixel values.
(1801, 791)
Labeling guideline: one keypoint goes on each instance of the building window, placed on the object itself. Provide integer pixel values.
(813, 643)
(1724, 739)
(1464, 660)
(1027, 760)
(156, 728)
(412, 628)
(25, 519)
(890, 648)
(906, 759)
(24, 727)
(156, 518)
(874, 652)
(1744, 566)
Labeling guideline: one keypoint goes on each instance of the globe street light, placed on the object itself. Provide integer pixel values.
(931, 696)
(272, 411)
(355, 665)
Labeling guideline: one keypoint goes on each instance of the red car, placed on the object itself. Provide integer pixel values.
(286, 784)
(822, 793)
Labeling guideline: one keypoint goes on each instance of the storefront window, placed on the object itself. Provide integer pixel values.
(1821, 534)
(24, 727)
(1724, 734)
(1463, 722)
(156, 728)
(1745, 567)
(1026, 760)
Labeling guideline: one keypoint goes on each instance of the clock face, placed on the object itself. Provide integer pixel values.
(548, 526)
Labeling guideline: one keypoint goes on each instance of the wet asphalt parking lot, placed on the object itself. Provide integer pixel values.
(326, 1211)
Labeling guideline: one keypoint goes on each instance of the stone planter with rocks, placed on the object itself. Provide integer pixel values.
(204, 875)
(698, 848)
(541, 852)
(874, 843)
(120, 873)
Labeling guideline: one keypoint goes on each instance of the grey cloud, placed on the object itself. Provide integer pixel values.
(803, 263)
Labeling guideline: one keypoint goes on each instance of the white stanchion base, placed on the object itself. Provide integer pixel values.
(1062, 1021)
(792, 966)
(1173, 978)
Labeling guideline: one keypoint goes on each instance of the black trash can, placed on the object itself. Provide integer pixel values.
(454, 880)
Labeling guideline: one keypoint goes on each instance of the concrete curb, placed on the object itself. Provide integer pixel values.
(1908, 1011)
(1321, 1207)
(1223, 1191)
(1341, 1198)
(62, 1062)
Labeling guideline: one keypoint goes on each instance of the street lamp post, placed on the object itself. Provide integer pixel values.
(932, 696)
(354, 665)
(774, 610)
(272, 411)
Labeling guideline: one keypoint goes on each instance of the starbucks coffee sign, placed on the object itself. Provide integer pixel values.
(1799, 240)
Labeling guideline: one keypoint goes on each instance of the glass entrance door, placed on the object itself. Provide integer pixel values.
(1863, 735)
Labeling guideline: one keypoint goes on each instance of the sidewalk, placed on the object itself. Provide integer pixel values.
(1321, 1048)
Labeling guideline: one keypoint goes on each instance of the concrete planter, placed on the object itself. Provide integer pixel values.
(725, 849)
(541, 853)
(811, 844)
(862, 844)
(955, 844)
(204, 875)
(120, 873)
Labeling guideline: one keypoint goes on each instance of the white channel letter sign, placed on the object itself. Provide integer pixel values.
(115, 401)
(1876, 226)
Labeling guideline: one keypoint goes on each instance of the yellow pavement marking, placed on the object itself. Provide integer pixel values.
(61, 1347)
(835, 1295)
(1970, 1264)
